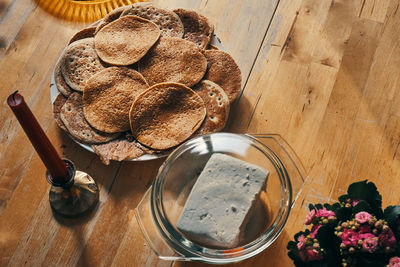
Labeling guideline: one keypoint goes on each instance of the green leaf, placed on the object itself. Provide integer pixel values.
(343, 198)
(367, 191)
(391, 214)
(311, 207)
(343, 214)
(362, 205)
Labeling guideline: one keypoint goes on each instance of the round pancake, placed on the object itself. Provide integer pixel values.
(113, 15)
(108, 96)
(126, 40)
(119, 149)
(57, 105)
(82, 34)
(173, 60)
(197, 28)
(72, 116)
(217, 106)
(79, 63)
(168, 22)
(61, 85)
(165, 115)
(223, 70)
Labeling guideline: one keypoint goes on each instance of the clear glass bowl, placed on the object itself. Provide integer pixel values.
(159, 210)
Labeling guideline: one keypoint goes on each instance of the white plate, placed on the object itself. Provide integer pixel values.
(54, 92)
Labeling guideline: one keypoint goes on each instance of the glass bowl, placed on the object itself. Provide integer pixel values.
(159, 210)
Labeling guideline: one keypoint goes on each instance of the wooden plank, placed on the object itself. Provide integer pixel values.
(374, 9)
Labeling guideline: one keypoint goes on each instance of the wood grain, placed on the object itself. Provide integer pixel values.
(324, 74)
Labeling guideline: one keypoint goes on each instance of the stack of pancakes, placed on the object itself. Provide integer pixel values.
(142, 81)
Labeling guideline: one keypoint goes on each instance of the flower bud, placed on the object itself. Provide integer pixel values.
(325, 221)
(316, 245)
(357, 225)
(385, 228)
(315, 240)
(338, 228)
(342, 245)
(360, 242)
(331, 218)
(352, 250)
(353, 228)
(375, 231)
(345, 224)
(347, 206)
(388, 249)
(378, 224)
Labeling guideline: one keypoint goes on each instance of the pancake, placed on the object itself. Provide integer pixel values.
(79, 63)
(223, 70)
(82, 34)
(197, 28)
(119, 149)
(61, 85)
(110, 17)
(173, 60)
(57, 105)
(168, 22)
(217, 106)
(126, 40)
(108, 96)
(72, 116)
(165, 115)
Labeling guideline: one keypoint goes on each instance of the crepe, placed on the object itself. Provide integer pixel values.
(57, 105)
(173, 60)
(197, 28)
(126, 40)
(217, 106)
(82, 34)
(165, 115)
(168, 22)
(108, 96)
(61, 85)
(119, 149)
(79, 63)
(110, 17)
(223, 70)
(72, 116)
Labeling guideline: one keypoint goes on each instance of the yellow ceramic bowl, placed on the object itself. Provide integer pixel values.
(82, 11)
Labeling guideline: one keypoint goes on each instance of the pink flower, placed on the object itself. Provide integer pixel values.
(310, 217)
(313, 255)
(370, 244)
(325, 213)
(349, 237)
(394, 262)
(314, 230)
(363, 217)
(354, 202)
(301, 242)
(365, 228)
(309, 254)
(366, 235)
(387, 239)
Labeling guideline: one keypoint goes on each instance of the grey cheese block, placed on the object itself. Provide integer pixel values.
(218, 207)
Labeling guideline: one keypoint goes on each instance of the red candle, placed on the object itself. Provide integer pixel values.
(54, 164)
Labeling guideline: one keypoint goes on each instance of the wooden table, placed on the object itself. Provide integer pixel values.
(325, 74)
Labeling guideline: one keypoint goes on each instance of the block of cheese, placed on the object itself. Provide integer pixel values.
(220, 203)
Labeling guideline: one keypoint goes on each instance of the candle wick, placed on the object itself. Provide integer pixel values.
(13, 95)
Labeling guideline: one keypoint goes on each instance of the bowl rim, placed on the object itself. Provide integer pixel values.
(194, 251)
